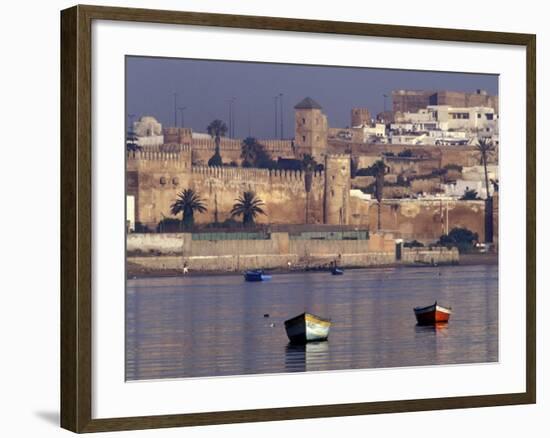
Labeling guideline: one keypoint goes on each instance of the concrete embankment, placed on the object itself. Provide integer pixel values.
(166, 254)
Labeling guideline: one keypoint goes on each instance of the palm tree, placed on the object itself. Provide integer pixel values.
(486, 150)
(254, 154)
(248, 206)
(249, 151)
(378, 170)
(187, 203)
(216, 129)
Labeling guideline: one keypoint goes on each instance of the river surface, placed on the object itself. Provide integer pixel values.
(215, 325)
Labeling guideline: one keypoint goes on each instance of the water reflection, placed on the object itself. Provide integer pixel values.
(438, 327)
(308, 357)
(214, 326)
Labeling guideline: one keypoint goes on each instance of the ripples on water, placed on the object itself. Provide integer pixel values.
(214, 326)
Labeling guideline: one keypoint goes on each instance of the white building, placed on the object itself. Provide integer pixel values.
(477, 118)
(447, 118)
(371, 131)
(148, 132)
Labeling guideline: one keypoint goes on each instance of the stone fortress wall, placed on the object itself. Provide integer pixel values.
(155, 179)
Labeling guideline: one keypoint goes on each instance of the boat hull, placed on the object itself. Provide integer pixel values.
(433, 314)
(337, 271)
(256, 276)
(307, 328)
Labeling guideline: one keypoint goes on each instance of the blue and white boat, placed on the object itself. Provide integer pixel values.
(256, 275)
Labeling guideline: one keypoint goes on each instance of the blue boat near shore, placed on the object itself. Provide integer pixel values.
(256, 275)
(337, 271)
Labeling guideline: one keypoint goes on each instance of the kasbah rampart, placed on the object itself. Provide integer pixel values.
(427, 143)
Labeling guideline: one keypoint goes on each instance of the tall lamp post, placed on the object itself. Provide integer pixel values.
(281, 112)
(175, 109)
(231, 122)
(182, 115)
(233, 100)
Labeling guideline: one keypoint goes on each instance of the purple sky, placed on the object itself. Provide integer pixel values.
(204, 87)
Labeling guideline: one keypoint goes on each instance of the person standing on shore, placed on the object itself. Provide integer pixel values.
(185, 268)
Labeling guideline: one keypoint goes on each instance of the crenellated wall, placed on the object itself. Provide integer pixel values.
(156, 178)
(230, 149)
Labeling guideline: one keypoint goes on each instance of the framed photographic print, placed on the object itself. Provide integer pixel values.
(268, 219)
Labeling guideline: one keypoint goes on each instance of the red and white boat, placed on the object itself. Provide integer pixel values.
(433, 314)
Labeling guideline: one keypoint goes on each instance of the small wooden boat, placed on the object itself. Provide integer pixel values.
(307, 328)
(337, 271)
(432, 314)
(256, 275)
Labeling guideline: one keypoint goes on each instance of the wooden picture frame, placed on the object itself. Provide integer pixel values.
(76, 218)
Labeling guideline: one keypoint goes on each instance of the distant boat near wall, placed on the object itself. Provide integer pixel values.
(307, 328)
(337, 271)
(256, 275)
(432, 314)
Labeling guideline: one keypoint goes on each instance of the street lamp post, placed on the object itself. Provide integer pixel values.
(231, 122)
(275, 102)
(233, 117)
(175, 109)
(182, 114)
(281, 113)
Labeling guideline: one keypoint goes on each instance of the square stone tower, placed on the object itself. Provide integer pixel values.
(311, 129)
(337, 189)
(360, 117)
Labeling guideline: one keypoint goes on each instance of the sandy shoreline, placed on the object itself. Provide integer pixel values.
(134, 271)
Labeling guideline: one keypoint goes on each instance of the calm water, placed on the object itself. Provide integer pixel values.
(213, 326)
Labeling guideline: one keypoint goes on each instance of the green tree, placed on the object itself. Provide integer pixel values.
(216, 159)
(248, 206)
(378, 170)
(462, 238)
(216, 129)
(248, 151)
(470, 195)
(254, 154)
(407, 153)
(486, 149)
(187, 203)
(308, 163)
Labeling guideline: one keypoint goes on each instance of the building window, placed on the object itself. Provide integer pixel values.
(460, 115)
(479, 116)
(303, 138)
(303, 121)
(489, 116)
